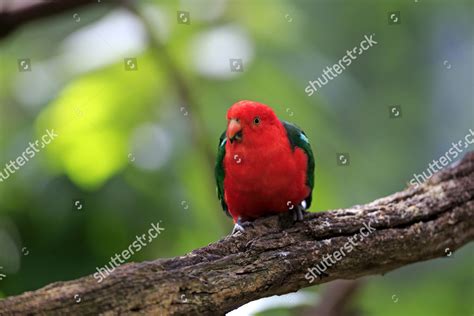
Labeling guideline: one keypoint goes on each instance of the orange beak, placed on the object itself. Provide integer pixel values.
(234, 131)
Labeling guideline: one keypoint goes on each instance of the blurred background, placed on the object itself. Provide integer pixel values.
(138, 94)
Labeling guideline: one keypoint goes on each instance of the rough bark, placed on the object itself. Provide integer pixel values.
(273, 255)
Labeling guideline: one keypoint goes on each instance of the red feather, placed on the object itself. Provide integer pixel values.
(263, 174)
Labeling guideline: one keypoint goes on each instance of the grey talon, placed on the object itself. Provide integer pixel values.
(298, 213)
(237, 228)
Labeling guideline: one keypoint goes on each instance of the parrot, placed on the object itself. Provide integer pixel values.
(264, 165)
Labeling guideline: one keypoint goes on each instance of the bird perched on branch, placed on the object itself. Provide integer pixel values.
(264, 165)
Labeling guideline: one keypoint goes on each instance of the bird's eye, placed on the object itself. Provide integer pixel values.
(256, 120)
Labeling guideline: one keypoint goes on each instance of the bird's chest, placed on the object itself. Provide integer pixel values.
(259, 171)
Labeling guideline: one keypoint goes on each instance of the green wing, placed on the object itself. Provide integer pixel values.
(299, 139)
(220, 172)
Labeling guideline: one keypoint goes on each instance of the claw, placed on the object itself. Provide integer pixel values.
(237, 228)
(298, 213)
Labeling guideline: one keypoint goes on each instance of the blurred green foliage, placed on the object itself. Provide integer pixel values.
(127, 179)
(95, 115)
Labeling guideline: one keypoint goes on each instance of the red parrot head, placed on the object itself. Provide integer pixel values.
(250, 121)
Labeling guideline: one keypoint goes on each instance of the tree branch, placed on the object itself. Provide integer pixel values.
(335, 299)
(13, 15)
(273, 256)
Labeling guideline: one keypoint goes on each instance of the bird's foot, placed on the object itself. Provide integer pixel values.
(298, 213)
(239, 227)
